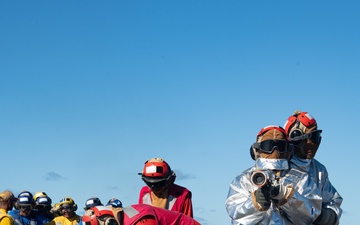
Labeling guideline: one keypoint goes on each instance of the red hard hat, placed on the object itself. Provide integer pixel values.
(303, 117)
(99, 215)
(155, 170)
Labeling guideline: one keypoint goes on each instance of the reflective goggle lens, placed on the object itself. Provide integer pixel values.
(268, 146)
(296, 136)
(315, 136)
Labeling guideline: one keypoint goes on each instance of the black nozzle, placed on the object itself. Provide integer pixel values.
(259, 178)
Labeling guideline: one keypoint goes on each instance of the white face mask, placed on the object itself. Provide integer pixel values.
(272, 164)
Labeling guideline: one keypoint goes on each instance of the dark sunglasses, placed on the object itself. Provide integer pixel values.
(268, 146)
(297, 136)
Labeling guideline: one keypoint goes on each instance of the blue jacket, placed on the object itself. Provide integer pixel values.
(31, 219)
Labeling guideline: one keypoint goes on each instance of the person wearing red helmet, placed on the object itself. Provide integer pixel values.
(270, 192)
(303, 132)
(98, 215)
(160, 189)
(137, 214)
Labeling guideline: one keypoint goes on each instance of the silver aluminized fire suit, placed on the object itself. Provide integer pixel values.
(303, 207)
(330, 197)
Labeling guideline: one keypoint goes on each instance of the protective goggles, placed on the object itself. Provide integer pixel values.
(156, 184)
(297, 136)
(268, 146)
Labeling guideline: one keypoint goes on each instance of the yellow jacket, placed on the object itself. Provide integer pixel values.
(62, 220)
(5, 218)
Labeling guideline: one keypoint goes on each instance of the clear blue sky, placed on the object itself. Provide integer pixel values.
(89, 90)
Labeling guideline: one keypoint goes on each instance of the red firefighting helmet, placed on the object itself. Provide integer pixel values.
(299, 117)
(99, 215)
(270, 127)
(156, 170)
(253, 151)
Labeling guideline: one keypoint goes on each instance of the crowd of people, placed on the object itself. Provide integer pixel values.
(161, 202)
(286, 185)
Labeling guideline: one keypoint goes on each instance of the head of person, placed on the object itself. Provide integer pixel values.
(303, 132)
(23, 193)
(115, 203)
(7, 200)
(91, 202)
(271, 143)
(43, 204)
(67, 207)
(157, 174)
(25, 204)
(39, 194)
(99, 215)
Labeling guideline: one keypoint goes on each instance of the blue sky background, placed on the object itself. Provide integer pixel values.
(89, 90)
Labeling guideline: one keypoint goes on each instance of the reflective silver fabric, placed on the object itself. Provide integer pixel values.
(301, 209)
(272, 164)
(330, 197)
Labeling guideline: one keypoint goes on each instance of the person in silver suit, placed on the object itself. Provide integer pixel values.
(303, 132)
(270, 192)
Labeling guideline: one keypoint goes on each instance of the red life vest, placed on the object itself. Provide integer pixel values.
(136, 212)
(179, 199)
